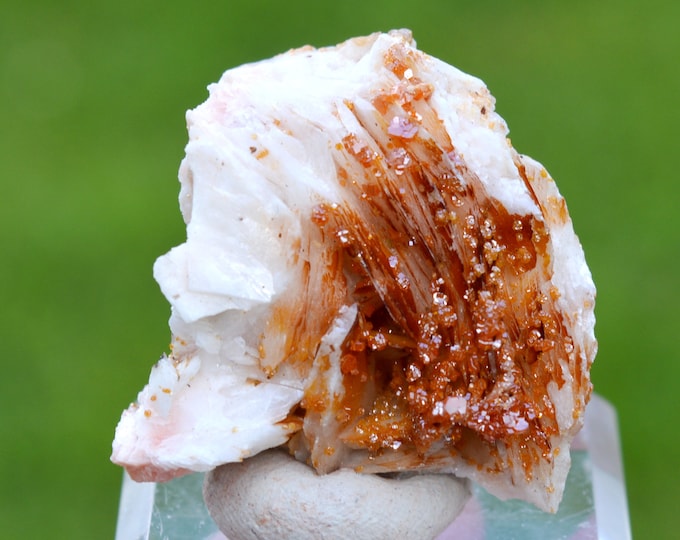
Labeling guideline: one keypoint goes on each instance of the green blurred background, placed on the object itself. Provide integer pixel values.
(92, 102)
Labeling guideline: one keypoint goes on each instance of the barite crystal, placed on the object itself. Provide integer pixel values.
(372, 276)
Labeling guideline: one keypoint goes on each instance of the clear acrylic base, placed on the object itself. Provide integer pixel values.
(594, 506)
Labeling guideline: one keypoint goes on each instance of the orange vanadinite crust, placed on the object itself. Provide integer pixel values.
(455, 339)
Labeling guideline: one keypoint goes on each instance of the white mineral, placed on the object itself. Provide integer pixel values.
(372, 276)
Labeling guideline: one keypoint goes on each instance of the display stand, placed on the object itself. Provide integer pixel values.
(594, 506)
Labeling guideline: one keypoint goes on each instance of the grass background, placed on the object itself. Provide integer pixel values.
(92, 101)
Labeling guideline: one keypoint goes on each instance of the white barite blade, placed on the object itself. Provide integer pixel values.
(373, 276)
